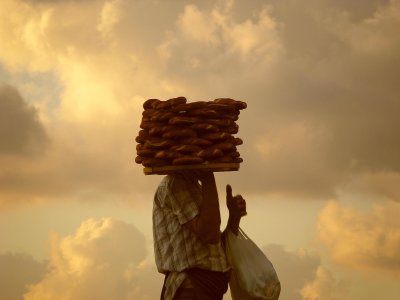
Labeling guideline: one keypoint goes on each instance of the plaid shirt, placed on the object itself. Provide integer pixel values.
(176, 248)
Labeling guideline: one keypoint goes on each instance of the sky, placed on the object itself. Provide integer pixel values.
(321, 170)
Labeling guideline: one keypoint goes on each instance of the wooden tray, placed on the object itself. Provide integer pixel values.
(217, 167)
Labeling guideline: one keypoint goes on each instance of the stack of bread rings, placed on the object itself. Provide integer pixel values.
(176, 132)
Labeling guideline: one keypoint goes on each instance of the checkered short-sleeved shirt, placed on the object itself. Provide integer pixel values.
(176, 248)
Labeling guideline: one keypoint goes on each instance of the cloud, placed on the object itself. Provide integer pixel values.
(304, 276)
(204, 63)
(320, 81)
(103, 259)
(101, 62)
(196, 27)
(294, 269)
(21, 132)
(365, 241)
(107, 259)
(359, 9)
(17, 271)
(318, 93)
(386, 184)
(324, 286)
(333, 103)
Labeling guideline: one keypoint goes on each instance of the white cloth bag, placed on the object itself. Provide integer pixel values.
(253, 275)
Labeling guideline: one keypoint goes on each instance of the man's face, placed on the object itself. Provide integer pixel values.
(199, 175)
(192, 175)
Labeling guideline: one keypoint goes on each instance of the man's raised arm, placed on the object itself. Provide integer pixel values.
(237, 209)
(207, 223)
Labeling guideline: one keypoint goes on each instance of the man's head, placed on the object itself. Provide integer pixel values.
(195, 175)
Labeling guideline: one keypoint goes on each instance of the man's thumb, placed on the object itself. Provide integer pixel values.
(228, 191)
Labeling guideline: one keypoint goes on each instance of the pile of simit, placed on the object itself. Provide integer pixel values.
(177, 132)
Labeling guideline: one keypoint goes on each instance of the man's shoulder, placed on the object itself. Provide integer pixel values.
(167, 184)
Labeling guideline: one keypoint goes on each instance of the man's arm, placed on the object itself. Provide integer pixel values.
(237, 209)
(206, 225)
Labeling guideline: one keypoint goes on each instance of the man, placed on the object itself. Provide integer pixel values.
(187, 236)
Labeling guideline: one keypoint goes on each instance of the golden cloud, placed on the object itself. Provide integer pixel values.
(21, 132)
(324, 286)
(367, 241)
(294, 268)
(103, 259)
(17, 271)
(321, 87)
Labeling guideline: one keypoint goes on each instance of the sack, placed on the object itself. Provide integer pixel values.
(253, 275)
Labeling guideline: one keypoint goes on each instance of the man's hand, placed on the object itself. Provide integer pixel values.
(237, 209)
(236, 204)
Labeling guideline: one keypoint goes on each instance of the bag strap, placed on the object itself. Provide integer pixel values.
(243, 234)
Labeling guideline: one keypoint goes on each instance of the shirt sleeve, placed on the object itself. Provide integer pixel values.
(184, 197)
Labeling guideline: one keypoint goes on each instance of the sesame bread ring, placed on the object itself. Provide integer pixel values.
(183, 120)
(138, 160)
(156, 131)
(176, 101)
(180, 107)
(187, 160)
(196, 141)
(167, 154)
(238, 160)
(143, 135)
(185, 148)
(148, 112)
(224, 146)
(221, 122)
(156, 143)
(233, 154)
(224, 108)
(240, 104)
(196, 105)
(155, 162)
(215, 136)
(230, 116)
(204, 113)
(226, 101)
(235, 140)
(146, 152)
(162, 116)
(160, 130)
(205, 127)
(210, 152)
(150, 103)
(179, 133)
(148, 124)
(232, 129)
(146, 119)
(223, 159)
(170, 103)
(229, 101)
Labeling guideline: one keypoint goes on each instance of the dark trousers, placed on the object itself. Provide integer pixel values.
(185, 294)
(207, 285)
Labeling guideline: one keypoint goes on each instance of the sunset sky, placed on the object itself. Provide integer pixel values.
(321, 170)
